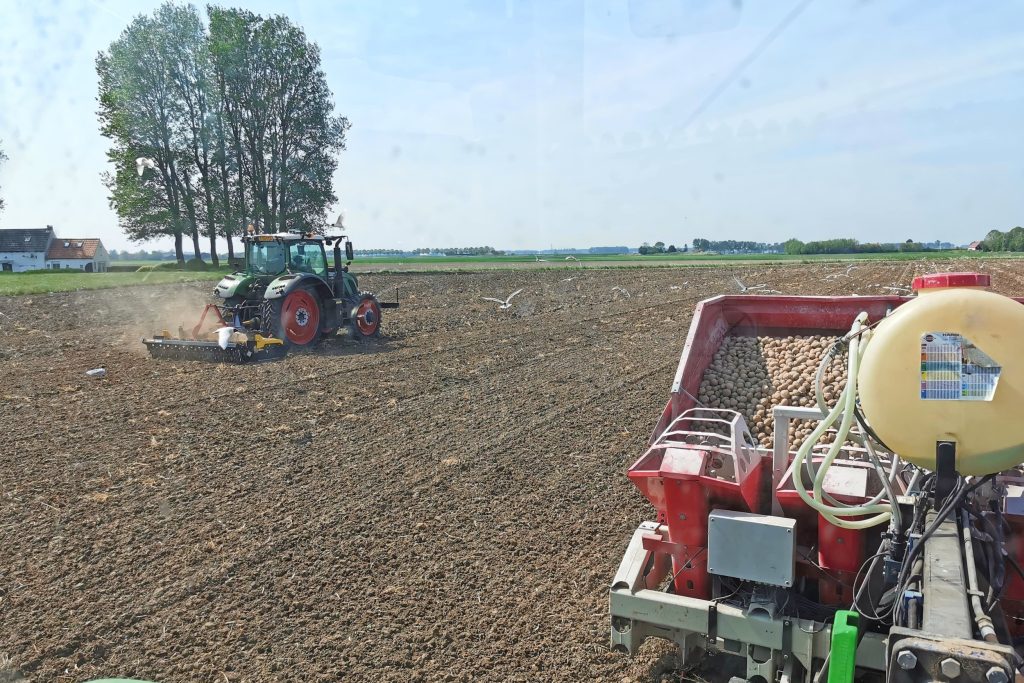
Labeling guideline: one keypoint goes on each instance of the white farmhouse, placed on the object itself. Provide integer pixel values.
(86, 254)
(24, 249)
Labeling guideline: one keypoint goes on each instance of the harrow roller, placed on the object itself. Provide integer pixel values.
(255, 349)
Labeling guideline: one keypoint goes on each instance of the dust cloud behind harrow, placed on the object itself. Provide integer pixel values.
(449, 503)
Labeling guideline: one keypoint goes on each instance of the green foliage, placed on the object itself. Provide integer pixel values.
(793, 246)
(646, 249)
(238, 119)
(734, 246)
(849, 246)
(997, 240)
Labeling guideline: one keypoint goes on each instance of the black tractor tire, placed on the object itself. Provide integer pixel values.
(364, 317)
(297, 318)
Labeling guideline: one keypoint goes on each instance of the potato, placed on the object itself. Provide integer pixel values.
(754, 374)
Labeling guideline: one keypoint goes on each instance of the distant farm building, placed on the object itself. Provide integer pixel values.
(24, 249)
(974, 246)
(86, 254)
(39, 249)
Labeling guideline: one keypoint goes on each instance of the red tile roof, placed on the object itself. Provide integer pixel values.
(72, 248)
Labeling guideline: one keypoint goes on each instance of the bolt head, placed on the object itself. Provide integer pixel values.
(949, 667)
(996, 675)
(907, 660)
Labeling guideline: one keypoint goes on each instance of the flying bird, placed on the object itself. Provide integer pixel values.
(507, 303)
(623, 290)
(744, 288)
(142, 163)
(571, 258)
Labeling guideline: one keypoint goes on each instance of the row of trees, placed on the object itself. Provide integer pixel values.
(849, 246)
(237, 117)
(660, 248)
(996, 240)
(729, 246)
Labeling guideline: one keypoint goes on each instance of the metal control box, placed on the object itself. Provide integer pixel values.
(752, 547)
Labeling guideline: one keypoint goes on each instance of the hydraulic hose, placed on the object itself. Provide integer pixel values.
(984, 621)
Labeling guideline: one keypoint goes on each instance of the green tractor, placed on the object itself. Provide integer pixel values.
(288, 295)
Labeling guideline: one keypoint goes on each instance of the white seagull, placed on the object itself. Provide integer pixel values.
(743, 288)
(623, 290)
(507, 303)
(142, 163)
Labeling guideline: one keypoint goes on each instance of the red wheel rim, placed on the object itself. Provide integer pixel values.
(368, 317)
(300, 317)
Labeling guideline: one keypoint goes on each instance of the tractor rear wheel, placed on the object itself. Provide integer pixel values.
(297, 318)
(365, 316)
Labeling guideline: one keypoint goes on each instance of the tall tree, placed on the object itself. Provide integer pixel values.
(286, 134)
(137, 110)
(194, 110)
(994, 241)
(238, 118)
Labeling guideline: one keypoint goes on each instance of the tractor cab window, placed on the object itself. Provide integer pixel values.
(266, 258)
(307, 258)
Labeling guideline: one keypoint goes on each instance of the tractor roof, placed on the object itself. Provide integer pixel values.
(285, 236)
(293, 237)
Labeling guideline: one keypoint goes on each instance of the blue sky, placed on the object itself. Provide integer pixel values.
(529, 123)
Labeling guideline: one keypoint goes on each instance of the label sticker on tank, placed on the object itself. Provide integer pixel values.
(954, 369)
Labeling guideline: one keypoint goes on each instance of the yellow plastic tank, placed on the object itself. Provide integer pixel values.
(948, 366)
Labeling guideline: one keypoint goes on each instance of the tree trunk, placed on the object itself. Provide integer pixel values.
(179, 252)
(210, 222)
(195, 243)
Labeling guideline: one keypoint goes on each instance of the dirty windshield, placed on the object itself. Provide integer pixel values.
(267, 258)
(307, 258)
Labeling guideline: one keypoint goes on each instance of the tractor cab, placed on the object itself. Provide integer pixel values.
(274, 255)
(273, 260)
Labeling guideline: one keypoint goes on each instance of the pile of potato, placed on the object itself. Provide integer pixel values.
(752, 375)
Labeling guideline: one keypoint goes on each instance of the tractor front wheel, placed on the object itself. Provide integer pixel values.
(298, 317)
(365, 316)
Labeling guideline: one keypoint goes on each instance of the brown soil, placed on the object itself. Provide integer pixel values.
(448, 503)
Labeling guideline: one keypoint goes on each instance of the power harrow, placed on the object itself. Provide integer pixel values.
(888, 545)
(287, 296)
